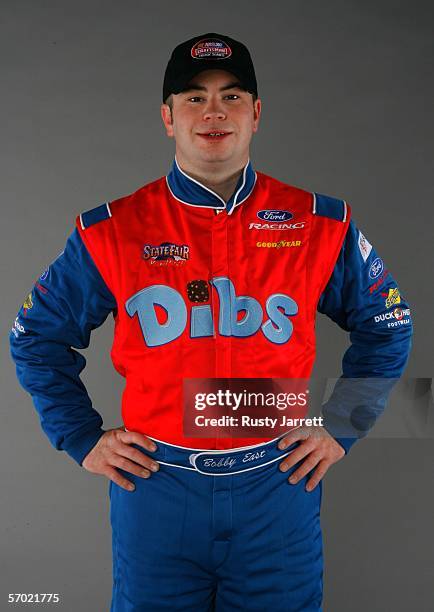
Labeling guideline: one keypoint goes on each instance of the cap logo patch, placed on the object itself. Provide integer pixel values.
(211, 48)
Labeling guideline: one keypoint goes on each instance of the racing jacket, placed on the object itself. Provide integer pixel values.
(203, 288)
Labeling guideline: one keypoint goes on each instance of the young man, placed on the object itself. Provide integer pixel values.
(189, 267)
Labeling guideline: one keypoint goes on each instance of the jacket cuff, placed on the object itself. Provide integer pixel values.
(346, 443)
(81, 444)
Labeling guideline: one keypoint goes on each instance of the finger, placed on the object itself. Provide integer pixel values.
(307, 466)
(129, 466)
(318, 475)
(120, 480)
(294, 436)
(295, 456)
(134, 437)
(138, 457)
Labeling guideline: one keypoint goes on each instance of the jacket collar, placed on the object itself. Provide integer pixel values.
(191, 192)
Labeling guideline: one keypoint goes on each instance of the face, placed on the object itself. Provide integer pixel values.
(213, 103)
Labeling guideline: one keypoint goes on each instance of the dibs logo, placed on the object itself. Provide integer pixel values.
(277, 328)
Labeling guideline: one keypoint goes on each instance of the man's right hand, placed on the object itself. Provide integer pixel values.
(113, 451)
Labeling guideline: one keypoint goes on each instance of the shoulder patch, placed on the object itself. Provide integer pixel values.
(99, 213)
(326, 206)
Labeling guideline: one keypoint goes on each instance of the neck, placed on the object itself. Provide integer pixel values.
(221, 181)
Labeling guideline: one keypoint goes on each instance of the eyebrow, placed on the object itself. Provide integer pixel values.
(233, 85)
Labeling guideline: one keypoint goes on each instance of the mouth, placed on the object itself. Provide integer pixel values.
(214, 135)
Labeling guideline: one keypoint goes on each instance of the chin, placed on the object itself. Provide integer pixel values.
(215, 156)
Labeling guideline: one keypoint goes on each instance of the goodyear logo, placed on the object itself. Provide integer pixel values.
(280, 244)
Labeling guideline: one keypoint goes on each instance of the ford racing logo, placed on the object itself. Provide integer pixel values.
(376, 268)
(274, 215)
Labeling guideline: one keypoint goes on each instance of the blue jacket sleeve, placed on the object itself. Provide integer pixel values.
(363, 298)
(68, 301)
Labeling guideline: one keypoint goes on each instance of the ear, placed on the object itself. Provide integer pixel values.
(166, 116)
(257, 108)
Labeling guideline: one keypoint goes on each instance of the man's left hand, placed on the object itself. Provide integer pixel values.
(317, 447)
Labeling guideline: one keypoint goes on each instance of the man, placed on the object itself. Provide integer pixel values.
(215, 271)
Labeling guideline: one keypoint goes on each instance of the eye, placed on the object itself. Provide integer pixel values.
(194, 99)
(232, 96)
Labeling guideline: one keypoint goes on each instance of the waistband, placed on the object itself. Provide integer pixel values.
(220, 462)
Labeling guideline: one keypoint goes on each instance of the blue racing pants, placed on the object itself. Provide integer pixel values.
(216, 531)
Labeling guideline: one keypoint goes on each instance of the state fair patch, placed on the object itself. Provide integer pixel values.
(364, 246)
(211, 48)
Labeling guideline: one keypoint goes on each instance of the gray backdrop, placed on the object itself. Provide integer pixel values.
(347, 110)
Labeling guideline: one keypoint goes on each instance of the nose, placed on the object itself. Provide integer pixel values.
(213, 110)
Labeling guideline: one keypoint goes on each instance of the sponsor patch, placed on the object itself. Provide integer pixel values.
(240, 316)
(211, 48)
(398, 323)
(392, 298)
(166, 253)
(44, 274)
(379, 282)
(396, 317)
(365, 247)
(399, 313)
(280, 244)
(41, 288)
(278, 226)
(18, 328)
(376, 268)
(274, 215)
(28, 303)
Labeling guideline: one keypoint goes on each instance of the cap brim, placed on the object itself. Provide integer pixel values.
(181, 83)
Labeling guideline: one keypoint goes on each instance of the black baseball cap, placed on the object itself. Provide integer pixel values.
(206, 52)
